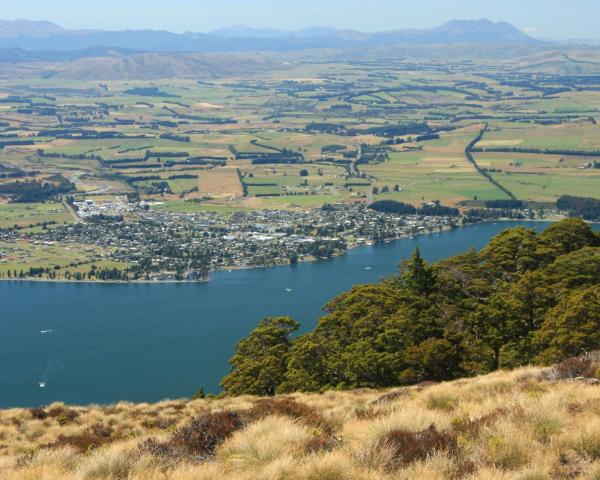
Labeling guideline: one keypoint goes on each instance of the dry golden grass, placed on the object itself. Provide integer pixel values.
(221, 181)
(508, 425)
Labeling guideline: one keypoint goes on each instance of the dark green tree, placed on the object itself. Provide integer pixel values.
(419, 277)
(571, 328)
(565, 237)
(260, 360)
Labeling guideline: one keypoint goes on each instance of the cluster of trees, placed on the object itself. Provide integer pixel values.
(184, 176)
(216, 161)
(400, 208)
(94, 135)
(505, 204)
(392, 206)
(33, 272)
(525, 298)
(155, 188)
(278, 156)
(141, 178)
(36, 191)
(107, 274)
(104, 274)
(419, 138)
(476, 215)
(329, 128)
(78, 156)
(13, 143)
(176, 138)
(323, 248)
(393, 130)
(149, 92)
(327, 149)
(584, 207)
(13, 172)
(539, 151)
(150, 154)
(437, 210)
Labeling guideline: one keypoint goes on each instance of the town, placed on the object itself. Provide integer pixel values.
(162, 245)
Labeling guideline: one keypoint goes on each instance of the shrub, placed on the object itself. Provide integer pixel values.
(97, 436)
(204, 434)
(572, 368)
(63, 415)
(200, 438)
(289, 407)
(408, 447)
(38, 413)
(471, 428)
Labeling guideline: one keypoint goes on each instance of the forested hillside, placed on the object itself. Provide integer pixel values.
(525, 298)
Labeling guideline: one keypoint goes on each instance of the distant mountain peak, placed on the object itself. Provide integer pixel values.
(483, 29)
(28, 28)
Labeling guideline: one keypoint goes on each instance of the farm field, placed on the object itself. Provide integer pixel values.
(221, 181)
(303, 136)
(63, 260)
(24, 215)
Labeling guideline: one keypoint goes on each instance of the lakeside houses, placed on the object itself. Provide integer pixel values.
(165, 245)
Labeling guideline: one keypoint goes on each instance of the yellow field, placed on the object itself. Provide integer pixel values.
(220, 181)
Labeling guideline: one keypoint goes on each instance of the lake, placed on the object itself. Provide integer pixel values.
(100, 343)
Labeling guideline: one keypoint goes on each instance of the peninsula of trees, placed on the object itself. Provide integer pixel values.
(525, 298)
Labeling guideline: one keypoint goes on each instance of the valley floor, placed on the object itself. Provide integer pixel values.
(508, 425)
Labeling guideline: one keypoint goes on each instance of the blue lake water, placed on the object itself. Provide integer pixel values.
(147, 342)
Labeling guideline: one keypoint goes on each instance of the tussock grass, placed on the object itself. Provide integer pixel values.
(526, 424)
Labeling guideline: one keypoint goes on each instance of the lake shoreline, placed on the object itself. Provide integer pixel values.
(229, 268)
(351, 247)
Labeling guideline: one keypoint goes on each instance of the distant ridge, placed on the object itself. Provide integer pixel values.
(46, 36)
(454, 31)
(19, 28)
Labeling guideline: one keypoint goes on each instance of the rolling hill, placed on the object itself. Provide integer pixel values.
(114, 64)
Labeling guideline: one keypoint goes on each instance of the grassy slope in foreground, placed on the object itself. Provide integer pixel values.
(507, 425)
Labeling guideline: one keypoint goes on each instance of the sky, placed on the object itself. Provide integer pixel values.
(552, 19)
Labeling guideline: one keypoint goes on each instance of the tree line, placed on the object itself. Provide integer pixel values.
(36, 191)
(584, 207)
(400, 208)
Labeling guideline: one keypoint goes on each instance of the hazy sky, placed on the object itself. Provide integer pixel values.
(542, 18)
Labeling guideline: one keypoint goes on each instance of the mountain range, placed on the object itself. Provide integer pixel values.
(46, 36)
